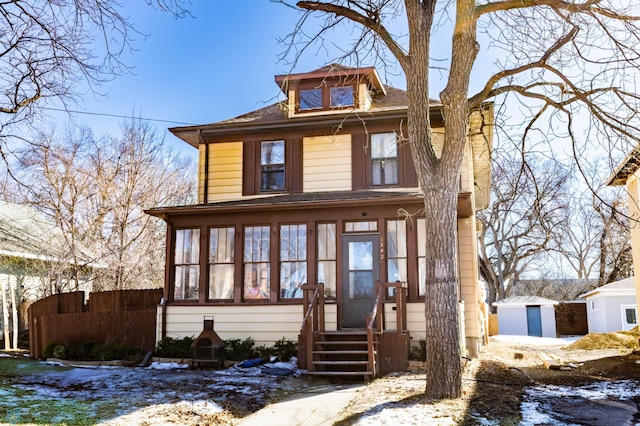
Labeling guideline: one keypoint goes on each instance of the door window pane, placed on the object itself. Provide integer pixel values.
(360, 269)
(186, 261)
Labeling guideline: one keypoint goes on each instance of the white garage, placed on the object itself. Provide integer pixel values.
(526, 316)
(612, 307)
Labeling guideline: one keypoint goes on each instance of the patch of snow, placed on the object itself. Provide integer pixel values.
(536, 341)
(167, 365)
(4, 355)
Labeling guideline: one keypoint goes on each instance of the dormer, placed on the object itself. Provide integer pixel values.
(330, 90)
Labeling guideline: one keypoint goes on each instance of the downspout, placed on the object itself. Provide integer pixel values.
(167, 277)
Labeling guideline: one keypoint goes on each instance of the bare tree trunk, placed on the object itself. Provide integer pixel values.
(5, 316)
(14, 312)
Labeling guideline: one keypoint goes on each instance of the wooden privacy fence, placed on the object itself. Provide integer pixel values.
(122, 316)
(571, 319)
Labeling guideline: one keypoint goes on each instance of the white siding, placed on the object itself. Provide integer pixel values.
(263, 323)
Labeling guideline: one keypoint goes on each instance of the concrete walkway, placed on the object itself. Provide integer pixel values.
(316, 406)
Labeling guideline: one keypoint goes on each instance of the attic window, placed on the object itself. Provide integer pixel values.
(341, 96)
(310, 99)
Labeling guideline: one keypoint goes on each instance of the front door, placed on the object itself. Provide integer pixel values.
(534, 321)
(359, 274)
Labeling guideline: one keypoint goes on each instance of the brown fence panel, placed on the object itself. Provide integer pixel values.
(571, 319)
(127, 316)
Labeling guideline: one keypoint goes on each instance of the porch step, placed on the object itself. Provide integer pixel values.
(342, 353)
(339, 373)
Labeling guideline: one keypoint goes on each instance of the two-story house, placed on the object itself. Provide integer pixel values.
(319, 188)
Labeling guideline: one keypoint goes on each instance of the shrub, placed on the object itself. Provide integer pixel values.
(284, 349)
(91, 351)
(238, 350)
(169, 347)
(48, 350)
(419, 353)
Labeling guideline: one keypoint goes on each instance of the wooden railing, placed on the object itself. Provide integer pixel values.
(376, 317)
(314, 318)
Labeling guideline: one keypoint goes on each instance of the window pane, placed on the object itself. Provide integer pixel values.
(221, 243)
(396, 238)
(327, 241)
(360, 285)
(221, 284)
(631, 316)
(384, 145)
(272, 153)
(292, 276)
(422, 276)
(256, 281)
(186, 283)
(397, 270)
(361, 226)
(310, 99)
(360, 255)
(341, 96)
(327, 275)
(422, 237)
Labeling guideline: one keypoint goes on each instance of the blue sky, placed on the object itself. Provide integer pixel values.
(218, 64)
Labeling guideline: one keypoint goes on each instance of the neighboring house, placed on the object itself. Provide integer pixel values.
(319, 188)
(34, 263)
(555, 289)
(612, 307)
(628, 173)
(526, 316)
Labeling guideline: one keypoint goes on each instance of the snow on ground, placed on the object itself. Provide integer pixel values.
(536, 341)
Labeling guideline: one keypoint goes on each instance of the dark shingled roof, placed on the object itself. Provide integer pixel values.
(299, 200)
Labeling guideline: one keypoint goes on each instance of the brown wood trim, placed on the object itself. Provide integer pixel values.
(249, 167)
(293, 164)
(358, 161)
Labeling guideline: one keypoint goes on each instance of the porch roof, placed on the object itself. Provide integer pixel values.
(299, 201)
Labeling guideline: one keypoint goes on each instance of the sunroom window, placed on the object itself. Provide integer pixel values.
(327, 257)
(221, 266)
(293, 260)
(186, 261)
(256, 264)
(396, 250)
(384, 159)
(272, 169)
(422, 257)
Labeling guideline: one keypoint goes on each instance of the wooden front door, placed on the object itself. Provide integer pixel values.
(360, 268)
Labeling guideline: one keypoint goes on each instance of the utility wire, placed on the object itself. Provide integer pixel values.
(102, 114)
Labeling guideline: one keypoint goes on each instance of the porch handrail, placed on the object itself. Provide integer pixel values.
(314, 317)
(375, 318)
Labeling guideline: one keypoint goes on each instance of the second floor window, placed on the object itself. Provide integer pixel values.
(272, 173)
(384, 159)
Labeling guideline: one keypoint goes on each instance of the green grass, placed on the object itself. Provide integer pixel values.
(20, 406)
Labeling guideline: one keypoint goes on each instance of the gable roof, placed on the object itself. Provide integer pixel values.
(525, 300)
(625, 287)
